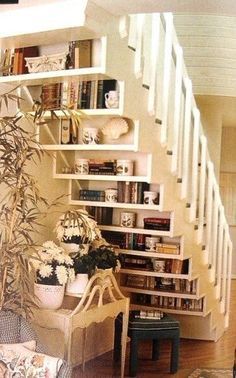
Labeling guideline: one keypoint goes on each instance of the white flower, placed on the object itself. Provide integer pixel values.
(68, 260)
(71, 275)
(45, 270)
(62, 274)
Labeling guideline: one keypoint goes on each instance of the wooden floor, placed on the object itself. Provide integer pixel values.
(193, 354)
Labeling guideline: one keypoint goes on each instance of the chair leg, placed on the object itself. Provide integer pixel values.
(174, 355)
(133, 358)
(155, 349)
(117, 340)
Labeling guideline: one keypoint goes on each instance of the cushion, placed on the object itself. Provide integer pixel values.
(18, 361)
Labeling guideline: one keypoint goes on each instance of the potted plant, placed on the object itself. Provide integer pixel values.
(84, 267)
(54, 267)
(76, 230)
(105, 257)
(21, 205)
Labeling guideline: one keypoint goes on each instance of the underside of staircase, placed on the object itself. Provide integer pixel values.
(143, 52)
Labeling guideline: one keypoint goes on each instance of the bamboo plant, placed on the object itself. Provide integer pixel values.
(21, 206)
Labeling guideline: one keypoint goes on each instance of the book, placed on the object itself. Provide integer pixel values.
(148, 314)
(176, 266)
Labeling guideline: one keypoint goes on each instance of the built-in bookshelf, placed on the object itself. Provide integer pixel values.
(159, 278)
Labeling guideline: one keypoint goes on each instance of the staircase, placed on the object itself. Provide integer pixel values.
(143, 50)
(144, 53)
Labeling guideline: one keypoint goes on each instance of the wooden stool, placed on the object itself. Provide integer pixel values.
(155, 330)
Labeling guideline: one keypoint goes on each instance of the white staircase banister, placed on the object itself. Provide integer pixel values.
(177, 105)
(168, 25)
(195, 168)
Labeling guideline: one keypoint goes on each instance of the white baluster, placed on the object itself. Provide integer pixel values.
(153, 63)
(209, 205)
(229, 272)
(132, 32)
(195, 169)
(123, 26)
(224, 269)
(214, 233)
(168, 19)
(202, 184)
(138, 62)
(177, 104)
(186, 137)
(220, 249)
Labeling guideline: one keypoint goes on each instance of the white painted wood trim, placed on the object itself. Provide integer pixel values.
(138, 59)
(186, 138)
(168, 19)
(177, 102)
(202, 184)
(195, 169)
(154, 53)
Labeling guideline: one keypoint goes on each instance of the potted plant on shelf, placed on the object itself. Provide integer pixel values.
(76, 230)
(84, 267)
(54, 268)
(105, 257)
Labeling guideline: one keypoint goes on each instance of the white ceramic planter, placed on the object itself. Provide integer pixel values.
(77, 287)
(50, 296)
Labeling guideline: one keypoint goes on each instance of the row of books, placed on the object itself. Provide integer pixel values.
(79, 56)
(162, 224)
(87, 94)
(131, 192)
(177, 303)
(91, 195)
(126, 240)
(13, 60)
(102, 215)
(102, 167)
(77, 95)
(161, 283)
(169, 302)
(173, 266)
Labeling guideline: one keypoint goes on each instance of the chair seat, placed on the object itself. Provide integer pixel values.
(167, 322)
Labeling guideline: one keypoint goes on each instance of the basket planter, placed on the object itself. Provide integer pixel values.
(77, 287)
(50, 296)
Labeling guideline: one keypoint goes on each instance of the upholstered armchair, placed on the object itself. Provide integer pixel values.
(15, 329)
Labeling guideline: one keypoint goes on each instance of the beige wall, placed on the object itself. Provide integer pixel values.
(218, 115)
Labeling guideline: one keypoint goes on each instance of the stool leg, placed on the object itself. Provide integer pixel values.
(133, 357)
(155, 349)
(174, 355)
(117, 340)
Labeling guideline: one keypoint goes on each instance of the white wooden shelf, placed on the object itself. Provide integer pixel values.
(166, 309)
(39, 78)
(149, 254)
(116, 205)
(152, 273)
(89, 147)
(90, 112)
(161, 293)
(73, 176)
(135, 230)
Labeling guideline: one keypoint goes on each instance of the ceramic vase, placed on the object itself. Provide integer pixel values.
(50, 296)
(77, 287)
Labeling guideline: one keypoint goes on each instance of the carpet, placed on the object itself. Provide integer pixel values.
(211, 373)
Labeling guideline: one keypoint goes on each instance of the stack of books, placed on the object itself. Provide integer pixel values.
(162, 224)
(102, 167)
(148, 314)
(168, 248)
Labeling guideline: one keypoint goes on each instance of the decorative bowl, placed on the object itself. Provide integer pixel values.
(46, 63)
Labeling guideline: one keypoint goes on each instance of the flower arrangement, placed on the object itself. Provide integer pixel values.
(53, 266)
(77, 226)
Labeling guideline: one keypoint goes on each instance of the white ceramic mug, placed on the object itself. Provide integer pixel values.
(127, 219)
(150, 243)
(124, 167)
(82, 166)
(150, 198)
(159, 265)
(90, 135)
(112, 99)
(111, 195)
